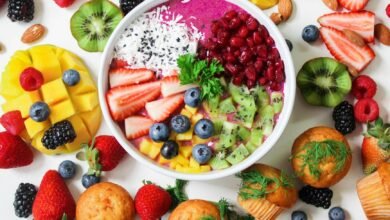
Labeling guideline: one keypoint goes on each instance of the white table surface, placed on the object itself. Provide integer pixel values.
(130, 174)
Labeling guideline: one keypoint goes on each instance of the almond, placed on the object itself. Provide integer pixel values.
(33, 33)
(332, 4)
(354, 38)
(285, 8)
(382, 33)
(276, 18)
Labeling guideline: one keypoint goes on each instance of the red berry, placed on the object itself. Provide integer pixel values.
(14, 152)
(231, 14)
(243, 16)
(257, 38)
(364, 87)
(64, 3)
(31, 79)
(388, 10)
(252, 23)
(13, 122)
(152, 202)
(110, 151)
(234, 23)
(2, 2)
(243, 32)
(366, 110)
(237, 42)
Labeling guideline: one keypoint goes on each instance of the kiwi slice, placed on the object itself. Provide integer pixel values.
(324, 82)
(93, 24)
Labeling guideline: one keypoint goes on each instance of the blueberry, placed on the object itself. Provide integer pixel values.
(180, 123)
(89, 180)
(310, 33)
(298, 215)
(336, 213)
(67, 169)
(201, 153)
(204, 128)
(289, 44)
(71, 77)
(159, 132)
(39, 111)
(192, 97)
(169, 150)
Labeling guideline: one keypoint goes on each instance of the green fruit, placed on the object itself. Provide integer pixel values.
(261, 96)
(324, 82)
(228, 136)
(217, 126)
(243, 133)
(246, 115)
(256, 137)
(251, 147)
(238, 155)
(242, 96)
(277, 101)
(227, 106)
(93, 24)
(218, 163)
(266, 121)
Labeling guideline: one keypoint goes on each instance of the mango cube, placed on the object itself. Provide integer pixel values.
(181, 160)
(196, 118)
(23, 56)
(45, 60)
(33, 127)
(197, 140)
(192, 110)
(162, 160)
(92, 119)
(187, 169)
(69, 61)
(186, 151)
(24, 135)
(85, 102)
(54, 91)
(185, 112)
(205, 168)
(9, 91)
(22, 103)
(154, 152)
(61, 111)
(186, 136)
(194, 163)
(173, 164)
(145, 146)
(82, 133)
(86, 85)
(172, 136)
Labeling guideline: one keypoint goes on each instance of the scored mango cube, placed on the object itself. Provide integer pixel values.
(45, 60)
(197, 140)
(33, 127)
(186, 136)
(54, 92)
(92, 119)
(85, 102)
(155, 150)
(192, 110)
(187, 113)
(22, 103)
(145, 146)
(196, 118)
(82, 137)
(69, 61)
(86, 85)
(186, 151)
(61, 111)
(182, 160)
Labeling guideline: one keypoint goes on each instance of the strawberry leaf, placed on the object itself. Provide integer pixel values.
(93, 158)
(64, 217)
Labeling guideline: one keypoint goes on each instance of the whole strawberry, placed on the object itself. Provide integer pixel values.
(53, 199)
(14, 152)
(152, 202)
(64, 3)
(375, 146)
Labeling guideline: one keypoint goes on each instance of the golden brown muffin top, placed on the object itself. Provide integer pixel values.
(107, 201)
(384, 173)
(261, 181)
(195, 209)
(321, 157)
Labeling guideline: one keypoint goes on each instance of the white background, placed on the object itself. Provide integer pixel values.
(130, 174)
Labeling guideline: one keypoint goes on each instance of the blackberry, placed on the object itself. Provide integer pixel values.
(24, 198)
(21, 10)
(317, 197)
(128, 5)
(344, 117)
(59, 134)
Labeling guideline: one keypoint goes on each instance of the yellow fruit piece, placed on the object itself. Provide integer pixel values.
(173, 164)
(265, 4)
(186, 136)
(205, 168)
(22, 103)
(197, 140)
(24, 135)
(192, 110)
(92, 119)
(194, 163)
(145, 146)
(33, 127)
(187, 169)
(182, 160)
(70, 61)
(61, 111)
(23, 56)
(172, 136)
(154, 150)
(9, 91)
(14, 69)
(82, 133)
(185, 112)
(162, 160)
(196, 118)
(86, 85)
(45, 60)
(54, 92)
(186, 151)
(37, 143)
(86, 102)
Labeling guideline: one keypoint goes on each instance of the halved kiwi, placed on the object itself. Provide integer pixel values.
(324, 81)
(93, 24)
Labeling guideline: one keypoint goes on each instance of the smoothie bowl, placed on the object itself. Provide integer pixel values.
(197, 89)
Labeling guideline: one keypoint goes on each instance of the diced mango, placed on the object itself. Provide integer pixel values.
(172, 136)
(33, 127)
(24, 135)
(23, 56)
(173, 164)
(205, 168)
(192, 110)
(181, 160)
(184, 169)
(61, 111)
(9, 91)
(186, 151)
(86, 85)
(162, 160)
(22, 103)
(145, 146)
(37, 143)
(85, 102)
(70, 61)
(154, 151)
(197, 140)
(92, 120)
(14, 69)
(45, 60)
(185, 112)
(54, 92)
(82, 133)
(186, 136)
(194, 163)
(196, 118)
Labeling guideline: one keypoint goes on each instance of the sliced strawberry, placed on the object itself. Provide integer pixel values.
(372, 155)
(161, 109)
(353, 5)
(171, 85)
(124, 76)
(117, 63)
(137, 126)
(360, 22)
(345, 51)
(13, 122)
(126, 100)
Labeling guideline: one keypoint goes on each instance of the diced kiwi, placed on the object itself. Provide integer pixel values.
(238, 155)
(324, 81)
(266, 121)
(217, 126)
(246, 115)
(218, 163)
(243, 133)
(251, 147)
(228, 136)
(261, 96)
(277, 101)
(256, 136)
(211, 106)
(241, 95)
(227, 106)
(93, 24)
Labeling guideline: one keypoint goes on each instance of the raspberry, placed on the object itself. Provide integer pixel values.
(12, 122)
(388, 10)
(364, 87)
(31, 79)
(366, 110)
(64, 3)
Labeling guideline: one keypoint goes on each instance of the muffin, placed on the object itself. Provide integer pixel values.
(195, 210)
(265, 191)
(105, 201)
(374, 193)
(321, 157)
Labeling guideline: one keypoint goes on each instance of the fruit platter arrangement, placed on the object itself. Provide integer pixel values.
(193, 89)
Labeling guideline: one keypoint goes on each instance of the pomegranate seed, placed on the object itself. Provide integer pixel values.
(250, 83)
(234, 23)
(237, 80)
(230, 58)
(275, 53)
(215, 27)
(223, 38)
(224, 23)
(202, 53)
(243, 32)
(270, 73)
(263, 31)
(270, 41)
(263, 81)
(250, 73)
(243, 16)
(231, 14)
(246, 56)
(237, 42)
(257, 38)
(233, 69)
(275, 86)
(279, 76)
(262, 51)
(250, 42)
(252, 24)
(259, 65)
(279, 65)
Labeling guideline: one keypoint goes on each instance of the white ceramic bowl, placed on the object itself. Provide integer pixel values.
(289, 92)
